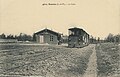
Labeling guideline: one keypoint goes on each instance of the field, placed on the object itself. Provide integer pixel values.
(43, 60)
(101, 60)
(108, 60)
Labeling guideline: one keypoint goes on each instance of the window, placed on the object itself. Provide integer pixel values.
(51, 38)
(71, 32)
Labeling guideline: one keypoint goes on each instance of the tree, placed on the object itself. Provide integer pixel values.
(117, 38)
(24, 37)
(93, 39)
(3, 36)
(110, 38)
(34, 37)
(10, 37)
(98, 40)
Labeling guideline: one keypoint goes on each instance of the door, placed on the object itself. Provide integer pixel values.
(41, 39)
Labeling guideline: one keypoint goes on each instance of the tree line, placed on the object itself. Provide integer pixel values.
(110, 38)
(26, 37)
(20, 37)
(113, 38)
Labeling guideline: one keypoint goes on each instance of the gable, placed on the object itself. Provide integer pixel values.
(46, 31)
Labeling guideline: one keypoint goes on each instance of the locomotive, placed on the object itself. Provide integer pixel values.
(77, 38)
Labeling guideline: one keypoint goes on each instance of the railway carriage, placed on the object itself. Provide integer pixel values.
(77, 38)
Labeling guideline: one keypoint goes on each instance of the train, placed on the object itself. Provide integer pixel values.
(77, 38)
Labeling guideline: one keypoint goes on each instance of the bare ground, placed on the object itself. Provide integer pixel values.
(91, 70)
(42, 60)
(108, 60)
(102, 60)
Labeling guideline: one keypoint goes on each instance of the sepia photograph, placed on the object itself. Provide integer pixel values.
(59, 38)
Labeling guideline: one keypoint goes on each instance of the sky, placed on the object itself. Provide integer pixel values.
(97, 17)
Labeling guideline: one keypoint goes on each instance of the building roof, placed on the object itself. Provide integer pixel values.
(75, 28)
(49, 31)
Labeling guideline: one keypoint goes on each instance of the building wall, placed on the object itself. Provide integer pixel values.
(48, 38)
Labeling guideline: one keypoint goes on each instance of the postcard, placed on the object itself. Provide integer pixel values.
(59, 38)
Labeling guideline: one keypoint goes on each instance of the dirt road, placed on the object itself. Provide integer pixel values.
(91, 70)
